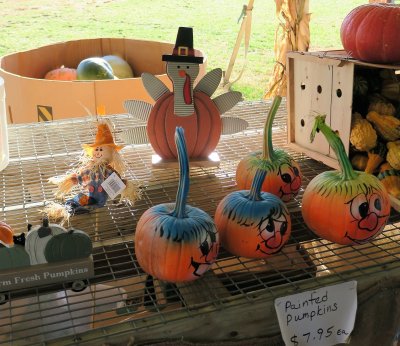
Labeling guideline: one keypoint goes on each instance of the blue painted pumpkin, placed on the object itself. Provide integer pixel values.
(252, 223)
(176, 242)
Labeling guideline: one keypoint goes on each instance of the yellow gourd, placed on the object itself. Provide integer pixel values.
(375, 157)
(390, 178)
(359, 162)
(393, 155)
(386, 125)
(362, 135)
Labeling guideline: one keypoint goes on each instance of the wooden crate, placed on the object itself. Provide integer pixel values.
(322, 83)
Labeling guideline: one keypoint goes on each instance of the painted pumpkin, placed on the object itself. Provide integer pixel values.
(370, 33)
(13, 257)
(6, 234)
(252, 223)
(69, 245)
(176, 242)
(62, 73)
(37, 239)
(283, 173)
(345, 206)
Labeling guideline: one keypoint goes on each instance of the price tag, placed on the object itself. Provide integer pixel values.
(322, 317)
(113, 185)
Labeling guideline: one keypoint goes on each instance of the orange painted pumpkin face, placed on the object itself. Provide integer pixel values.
(346, 212)
(283, 176)
(176, 249)
(253, 225)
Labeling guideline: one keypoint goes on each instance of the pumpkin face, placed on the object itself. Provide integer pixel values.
(251, 223)
(13, 257)
(62, 74)
(370, 33)
(6, 234)
(346, 206)
(176, 242)
(69, 245)
(358, 209)
(175, 249)
(37, 239)
(283, 176)
(202, 128)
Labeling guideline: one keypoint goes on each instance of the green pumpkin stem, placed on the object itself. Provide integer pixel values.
(255, 189)
(268, 150)
(183, 186)
(337, 145)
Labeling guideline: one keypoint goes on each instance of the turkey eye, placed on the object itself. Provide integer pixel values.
(363, 209)
(286, 178)
(187, 67)
(178, 66)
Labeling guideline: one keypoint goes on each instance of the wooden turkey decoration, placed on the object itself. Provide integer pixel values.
(187, 106)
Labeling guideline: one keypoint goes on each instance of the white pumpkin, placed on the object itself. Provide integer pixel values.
(37, 239)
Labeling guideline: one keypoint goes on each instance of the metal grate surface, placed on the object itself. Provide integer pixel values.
(121, 296)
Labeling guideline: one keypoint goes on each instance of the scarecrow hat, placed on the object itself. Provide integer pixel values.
(103, 137)
(183, 50)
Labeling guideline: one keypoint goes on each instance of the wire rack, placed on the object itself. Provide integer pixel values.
(121, 298)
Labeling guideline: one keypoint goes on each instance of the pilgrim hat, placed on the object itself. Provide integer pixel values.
(183, 50)
(103, 137)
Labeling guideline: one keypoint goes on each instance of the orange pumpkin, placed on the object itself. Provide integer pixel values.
(346, 207)
(176, 242)
(62, 73)
(6, 234)
(283, 173)
(202, 128)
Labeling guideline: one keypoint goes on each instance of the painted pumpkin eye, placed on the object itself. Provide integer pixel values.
(375, 203)
(296, 171)
(284, 227)
(204, 248)
(359, 207)
(286, 177)
(268, 225)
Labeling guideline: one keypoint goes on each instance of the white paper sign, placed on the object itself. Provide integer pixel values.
(322, 317)
(113, 185)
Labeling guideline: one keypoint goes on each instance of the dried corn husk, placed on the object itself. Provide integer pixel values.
(292, 34)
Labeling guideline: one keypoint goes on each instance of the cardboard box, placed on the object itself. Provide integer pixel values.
(29, 98)
(322, 83)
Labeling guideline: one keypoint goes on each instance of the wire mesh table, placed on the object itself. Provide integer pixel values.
(121, 300)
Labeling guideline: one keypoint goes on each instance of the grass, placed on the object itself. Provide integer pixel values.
(27, 24)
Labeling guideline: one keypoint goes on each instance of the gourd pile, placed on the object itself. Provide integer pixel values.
(375, 128)
(93, 68)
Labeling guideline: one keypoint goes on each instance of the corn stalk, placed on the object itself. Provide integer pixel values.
(292, 34)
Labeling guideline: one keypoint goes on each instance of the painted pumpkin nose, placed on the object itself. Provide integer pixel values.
(182, 73)
(369, 223)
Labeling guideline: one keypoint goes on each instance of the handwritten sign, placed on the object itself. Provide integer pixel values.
(322, 317)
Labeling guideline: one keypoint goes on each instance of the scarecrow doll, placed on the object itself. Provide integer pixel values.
(98, 176)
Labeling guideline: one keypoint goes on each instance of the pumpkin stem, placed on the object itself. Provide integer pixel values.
(268, 150)
(255, 189)
(337, 145)
(183, 186)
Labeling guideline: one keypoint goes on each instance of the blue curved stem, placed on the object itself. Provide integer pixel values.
(183, 187)
(255, 189)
